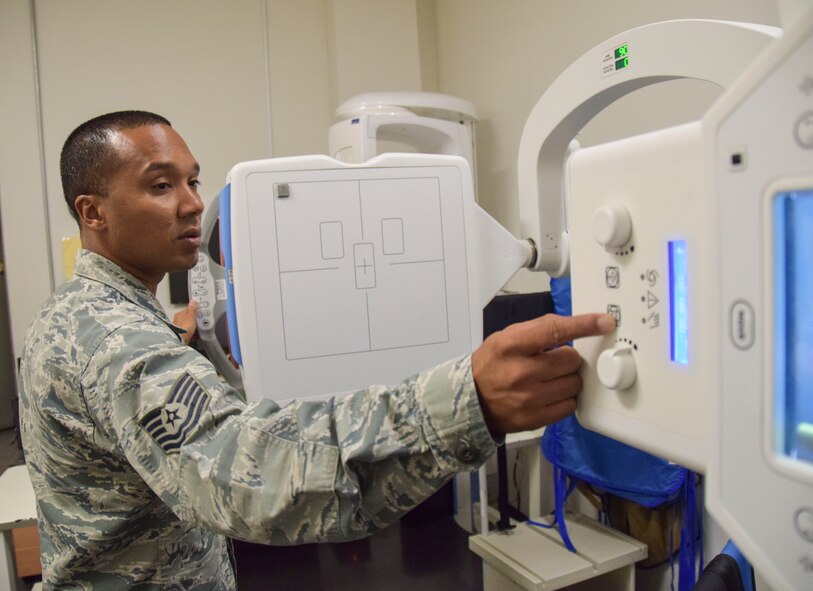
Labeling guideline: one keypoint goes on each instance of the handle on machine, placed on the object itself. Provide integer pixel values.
(207, 285)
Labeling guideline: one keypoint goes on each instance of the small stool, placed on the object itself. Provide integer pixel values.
(532, 558)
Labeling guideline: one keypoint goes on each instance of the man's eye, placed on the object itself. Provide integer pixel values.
(161, 186)
(195, 183)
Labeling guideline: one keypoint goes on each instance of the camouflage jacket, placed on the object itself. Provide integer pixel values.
(143, 460)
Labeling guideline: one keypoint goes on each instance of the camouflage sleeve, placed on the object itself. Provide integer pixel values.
(311, 471)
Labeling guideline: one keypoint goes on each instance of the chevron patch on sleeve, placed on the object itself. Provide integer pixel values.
(170, 425)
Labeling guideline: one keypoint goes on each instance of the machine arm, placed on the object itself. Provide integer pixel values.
(631, 60)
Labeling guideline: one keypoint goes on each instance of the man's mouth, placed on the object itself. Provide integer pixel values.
(192, 237)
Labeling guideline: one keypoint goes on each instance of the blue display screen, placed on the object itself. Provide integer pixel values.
(793, 323)
(678, 302)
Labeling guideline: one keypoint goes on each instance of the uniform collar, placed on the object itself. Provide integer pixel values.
(91, 265)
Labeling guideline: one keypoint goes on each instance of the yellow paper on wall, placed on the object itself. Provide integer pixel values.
(70, 246)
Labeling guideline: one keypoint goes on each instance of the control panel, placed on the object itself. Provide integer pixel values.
(699, 240)
(202, 290)
(640, 252)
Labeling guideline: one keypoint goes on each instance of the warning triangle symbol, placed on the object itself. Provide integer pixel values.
(651, 299)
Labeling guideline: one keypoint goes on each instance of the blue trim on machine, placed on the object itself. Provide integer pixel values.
(225, 248)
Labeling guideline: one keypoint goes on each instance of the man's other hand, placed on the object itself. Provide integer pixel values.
(186, 319)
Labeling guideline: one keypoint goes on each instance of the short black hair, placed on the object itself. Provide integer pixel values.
(89, 157)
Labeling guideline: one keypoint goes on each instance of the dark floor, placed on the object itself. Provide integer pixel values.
(431, 555)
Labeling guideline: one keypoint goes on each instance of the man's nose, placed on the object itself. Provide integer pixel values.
(190, 203)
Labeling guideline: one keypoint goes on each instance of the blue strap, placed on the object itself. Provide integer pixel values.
(559, 483)
(561, 492)
(700, 535)
(671, 555)
(560, 291)
(687, 575)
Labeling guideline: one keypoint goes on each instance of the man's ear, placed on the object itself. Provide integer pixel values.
(89, 212)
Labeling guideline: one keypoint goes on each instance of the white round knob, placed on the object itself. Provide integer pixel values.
(612, 225)
(616, 368)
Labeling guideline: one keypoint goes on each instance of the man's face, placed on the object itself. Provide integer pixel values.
(152, 208)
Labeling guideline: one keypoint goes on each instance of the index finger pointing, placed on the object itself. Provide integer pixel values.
(551, 330)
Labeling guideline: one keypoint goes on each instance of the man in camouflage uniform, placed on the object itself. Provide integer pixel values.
(143, 461)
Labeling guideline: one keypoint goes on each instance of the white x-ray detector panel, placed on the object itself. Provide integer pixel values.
(350, 275)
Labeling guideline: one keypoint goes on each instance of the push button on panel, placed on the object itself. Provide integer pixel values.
(742, 325)
(616, 368)
(612, 277)
(804, 130)
(803, 521)
(612, 225)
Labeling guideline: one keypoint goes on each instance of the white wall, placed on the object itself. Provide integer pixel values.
(300, 76)
(94, 56)
(26, 242)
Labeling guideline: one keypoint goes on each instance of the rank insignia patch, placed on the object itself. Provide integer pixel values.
(170, 425)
